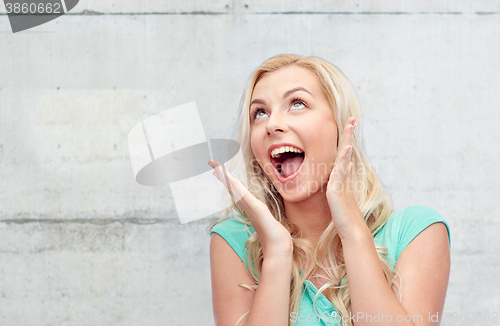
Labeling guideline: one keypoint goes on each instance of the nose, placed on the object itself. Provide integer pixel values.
(276, 124)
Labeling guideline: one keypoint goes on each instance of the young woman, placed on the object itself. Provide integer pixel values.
(314, 239)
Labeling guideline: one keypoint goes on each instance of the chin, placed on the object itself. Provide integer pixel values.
(302, 192)
(294, 197)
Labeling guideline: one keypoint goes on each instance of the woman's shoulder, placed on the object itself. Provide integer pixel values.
(235, 224)
(405, 224)
(413, 214)
(235, 230)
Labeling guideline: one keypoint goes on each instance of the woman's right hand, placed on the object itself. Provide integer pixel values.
(274, 237)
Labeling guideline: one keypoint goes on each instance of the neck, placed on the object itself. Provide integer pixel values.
(311, 215)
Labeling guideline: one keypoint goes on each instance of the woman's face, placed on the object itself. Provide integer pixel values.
(288, 107)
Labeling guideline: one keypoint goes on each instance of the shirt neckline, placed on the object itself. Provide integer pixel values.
(311, 288)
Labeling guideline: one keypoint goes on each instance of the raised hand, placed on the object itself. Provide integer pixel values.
(274, 237)
(346, 214)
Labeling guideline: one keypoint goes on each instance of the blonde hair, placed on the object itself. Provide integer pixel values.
(373, 200)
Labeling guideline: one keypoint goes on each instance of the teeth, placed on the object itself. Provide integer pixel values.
(276, 153)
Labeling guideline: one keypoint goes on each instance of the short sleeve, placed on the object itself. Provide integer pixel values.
(412, 221)
(235, 233)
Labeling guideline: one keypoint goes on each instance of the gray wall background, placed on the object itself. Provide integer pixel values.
(82, 244)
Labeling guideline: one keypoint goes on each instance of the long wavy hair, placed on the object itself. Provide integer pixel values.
(373, 200)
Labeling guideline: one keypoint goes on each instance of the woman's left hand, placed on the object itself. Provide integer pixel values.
(346, 214)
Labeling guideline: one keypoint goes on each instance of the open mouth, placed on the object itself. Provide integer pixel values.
(287, 164)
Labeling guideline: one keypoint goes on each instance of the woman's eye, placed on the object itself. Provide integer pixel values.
(257, 114)
(298, 104)
(260, 113)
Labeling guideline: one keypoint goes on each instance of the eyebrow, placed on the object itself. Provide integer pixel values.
(287, 93)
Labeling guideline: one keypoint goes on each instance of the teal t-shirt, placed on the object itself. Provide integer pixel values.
(396, 234)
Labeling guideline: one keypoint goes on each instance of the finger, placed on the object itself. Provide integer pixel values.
(226, 178)
(348, 131)
(346, 137)
(347, 142)
(235, 188)
(339, 174)
(349, 177)
(346, 161)
(218, 173)
(342, 162)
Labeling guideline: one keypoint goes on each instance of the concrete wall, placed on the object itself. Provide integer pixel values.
(82, 244)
